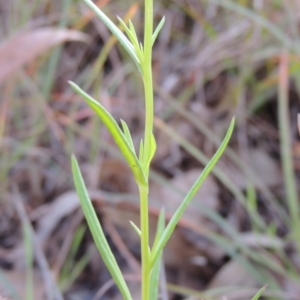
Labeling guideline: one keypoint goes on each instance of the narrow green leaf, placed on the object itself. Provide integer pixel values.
(155, 272)
(75, 272)
(131, 27)
(259, 293)
(97, 231)
(130, 34)
(124, 26)
(115, 31)
(116, 133)
(151, 152)
(157, 30)
(127, 135)
(160, 227)
(78, 236)
(175, 218)
(136, 229)
(133, 38)
(153, 146)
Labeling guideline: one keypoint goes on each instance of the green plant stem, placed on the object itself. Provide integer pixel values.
(145, 242)
(148, 89)
(147, 78)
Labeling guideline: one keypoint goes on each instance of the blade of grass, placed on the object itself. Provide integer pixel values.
(70, 261)
(135, 228)
(216, 171)
(97, 232)
(259, 293)
(75, 272)
(127, 135)
(157, 30)
(173, 222)
(133, 38)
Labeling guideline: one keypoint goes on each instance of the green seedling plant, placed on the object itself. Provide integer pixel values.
(139, 162)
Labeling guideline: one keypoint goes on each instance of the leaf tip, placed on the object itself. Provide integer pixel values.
(74, 162)
(72, 84)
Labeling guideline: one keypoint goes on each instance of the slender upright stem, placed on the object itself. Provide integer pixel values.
(148, 87)
(145, 243)
(147, 76)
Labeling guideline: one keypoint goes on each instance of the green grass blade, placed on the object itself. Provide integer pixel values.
(135, 228)
(157, 30)
(220, 174)
(127, 135)
(147, 160)
(154, 280)
(75, 272)
(116, 133)
(115, 31)
(70, 261)
(97, 231)
(133, 38)
(259, 293)
(160, 227)
(175, 218)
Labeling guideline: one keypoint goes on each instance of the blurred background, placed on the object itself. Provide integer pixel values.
(212, 60)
